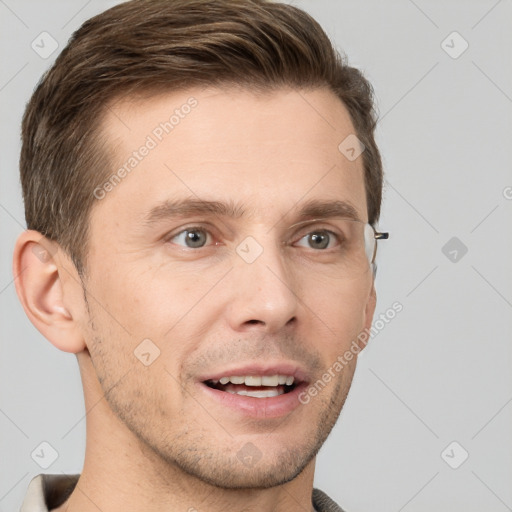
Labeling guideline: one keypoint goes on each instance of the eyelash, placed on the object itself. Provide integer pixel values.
(169, 238)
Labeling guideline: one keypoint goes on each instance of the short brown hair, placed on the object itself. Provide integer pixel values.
(145, 46)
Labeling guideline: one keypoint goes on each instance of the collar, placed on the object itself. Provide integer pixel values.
(46, 492)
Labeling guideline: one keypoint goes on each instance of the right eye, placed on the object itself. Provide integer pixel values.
(191, 237)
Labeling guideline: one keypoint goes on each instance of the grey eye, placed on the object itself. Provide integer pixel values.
(317, 239)
(192, 238)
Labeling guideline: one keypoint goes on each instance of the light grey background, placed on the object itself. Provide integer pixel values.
(440, 371)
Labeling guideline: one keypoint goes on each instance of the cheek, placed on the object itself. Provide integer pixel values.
(133, 372)
(174, 310)
(171, 303)
(147, 303)
(342, 305)
(342, 309)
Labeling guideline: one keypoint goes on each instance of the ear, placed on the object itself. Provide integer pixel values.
(38, 268)
(369, 310)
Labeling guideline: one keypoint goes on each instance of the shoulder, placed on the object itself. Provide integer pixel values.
(323, 503)
(45, 492)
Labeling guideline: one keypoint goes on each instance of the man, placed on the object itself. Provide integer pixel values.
(201, 183)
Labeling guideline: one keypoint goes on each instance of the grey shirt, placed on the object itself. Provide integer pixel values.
(46, 492)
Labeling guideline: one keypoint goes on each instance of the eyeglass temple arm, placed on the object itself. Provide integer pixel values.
(381, 236)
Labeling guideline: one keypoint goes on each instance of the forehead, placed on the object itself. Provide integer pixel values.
(268, 151)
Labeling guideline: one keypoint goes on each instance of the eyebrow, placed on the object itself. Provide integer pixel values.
(312, 209)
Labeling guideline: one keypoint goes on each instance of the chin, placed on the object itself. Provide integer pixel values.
(232, 474)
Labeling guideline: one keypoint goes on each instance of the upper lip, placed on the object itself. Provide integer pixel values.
(263, 368)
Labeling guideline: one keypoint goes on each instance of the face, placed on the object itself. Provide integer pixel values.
(197, 273)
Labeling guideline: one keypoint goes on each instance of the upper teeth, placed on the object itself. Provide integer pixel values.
(255, 380)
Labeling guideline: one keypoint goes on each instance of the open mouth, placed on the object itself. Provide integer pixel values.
(254, 386)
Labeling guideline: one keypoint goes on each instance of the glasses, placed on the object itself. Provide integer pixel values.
(338, 248)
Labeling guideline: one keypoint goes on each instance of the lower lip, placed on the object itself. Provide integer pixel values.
(261, 408)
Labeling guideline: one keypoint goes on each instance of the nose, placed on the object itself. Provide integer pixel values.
(264, 291)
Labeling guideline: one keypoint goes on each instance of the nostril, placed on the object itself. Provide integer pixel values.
(291, 321)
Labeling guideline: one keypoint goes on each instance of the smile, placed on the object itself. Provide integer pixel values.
(255, 386)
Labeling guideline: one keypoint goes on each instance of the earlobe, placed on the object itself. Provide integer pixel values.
(38, 279)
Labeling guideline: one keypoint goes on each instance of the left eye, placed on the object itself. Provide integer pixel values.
(319, 239)
(192, 238)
